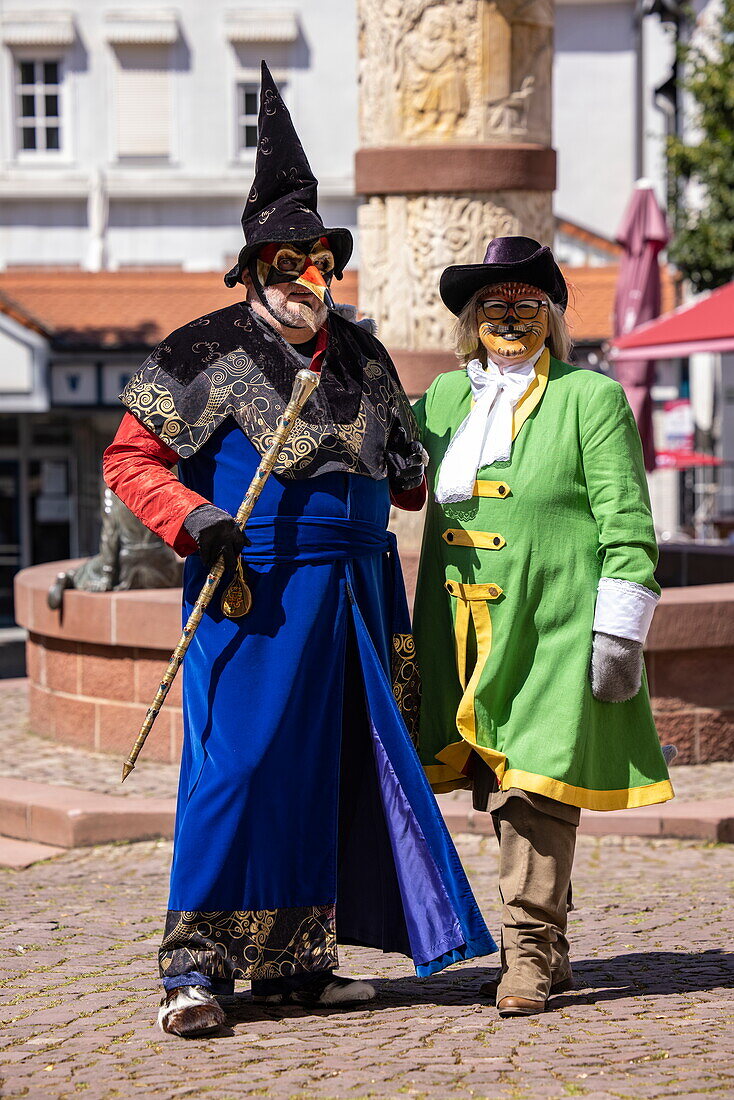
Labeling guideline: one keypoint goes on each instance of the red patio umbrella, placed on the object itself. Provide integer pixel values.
(642, 234)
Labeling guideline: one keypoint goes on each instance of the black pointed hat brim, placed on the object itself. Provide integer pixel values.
(460, 283)
(340, 241)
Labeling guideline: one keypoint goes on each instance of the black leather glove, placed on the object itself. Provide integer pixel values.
(215, 533)
(405, 461)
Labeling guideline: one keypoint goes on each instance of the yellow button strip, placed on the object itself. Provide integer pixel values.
(491, 489)
(471, 607)
(468, 592)
(482, 540)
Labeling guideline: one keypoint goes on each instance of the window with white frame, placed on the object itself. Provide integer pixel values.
(38, 84)
(247, 110)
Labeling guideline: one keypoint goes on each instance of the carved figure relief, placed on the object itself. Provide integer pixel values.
(455, 70)
(434, 91)
(518, 45)
(419, 70)
(510, 114)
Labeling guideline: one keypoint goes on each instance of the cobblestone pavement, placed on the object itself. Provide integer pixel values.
(27, 757)
(654, 1017)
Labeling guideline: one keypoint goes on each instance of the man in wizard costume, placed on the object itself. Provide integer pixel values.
(304, 817)
(535, 593)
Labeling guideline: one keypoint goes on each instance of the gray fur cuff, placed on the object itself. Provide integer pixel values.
(349, 313)
(616, 668)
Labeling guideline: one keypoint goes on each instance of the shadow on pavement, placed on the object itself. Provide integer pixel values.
(649, 973)
(460, 988)
(642, 973)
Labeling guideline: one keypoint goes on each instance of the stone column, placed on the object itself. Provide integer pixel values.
(455, 127)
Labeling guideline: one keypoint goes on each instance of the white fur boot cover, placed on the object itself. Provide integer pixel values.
(190, 1010)
(346, 992)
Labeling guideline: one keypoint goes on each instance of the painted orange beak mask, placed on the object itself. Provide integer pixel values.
(310, 264)
(512, 321)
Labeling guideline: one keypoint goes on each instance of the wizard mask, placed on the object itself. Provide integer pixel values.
(512, 321)
(308, 263)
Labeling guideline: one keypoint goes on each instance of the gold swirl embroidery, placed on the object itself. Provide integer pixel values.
(234, 385)
(171, 429)
(251, 943)
(406, 683)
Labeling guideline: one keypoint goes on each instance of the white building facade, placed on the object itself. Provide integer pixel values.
(128, 134)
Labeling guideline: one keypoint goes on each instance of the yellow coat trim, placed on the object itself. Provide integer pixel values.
(444, 779)
(491, 489)
(449, 777)
(458, 753)
(473, 591)
(533, 394)
(471, 606)
(479, 612)
(482, 540)
(624, 799)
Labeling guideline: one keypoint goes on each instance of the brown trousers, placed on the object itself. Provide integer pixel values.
(537, 838)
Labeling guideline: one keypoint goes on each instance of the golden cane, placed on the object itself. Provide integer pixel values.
(305, 383)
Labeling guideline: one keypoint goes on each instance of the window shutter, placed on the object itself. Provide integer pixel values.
(143, 101)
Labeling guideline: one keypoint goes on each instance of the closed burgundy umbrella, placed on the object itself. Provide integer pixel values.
(643, 234)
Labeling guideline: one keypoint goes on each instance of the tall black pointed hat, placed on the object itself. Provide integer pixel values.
(281, 205)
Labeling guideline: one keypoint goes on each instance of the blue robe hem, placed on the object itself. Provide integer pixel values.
(470, 950)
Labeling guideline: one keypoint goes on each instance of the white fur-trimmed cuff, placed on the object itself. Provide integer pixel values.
(624, 608)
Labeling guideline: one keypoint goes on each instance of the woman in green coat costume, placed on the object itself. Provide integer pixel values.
(535, 592)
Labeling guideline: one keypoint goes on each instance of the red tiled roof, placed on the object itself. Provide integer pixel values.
(119, 309)
(588, 236)
(135, 309)
(591, 300)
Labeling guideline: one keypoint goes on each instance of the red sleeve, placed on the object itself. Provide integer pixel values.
(412, 500)
(137, 466)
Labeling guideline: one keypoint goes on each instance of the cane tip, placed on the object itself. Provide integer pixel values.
(127, 767)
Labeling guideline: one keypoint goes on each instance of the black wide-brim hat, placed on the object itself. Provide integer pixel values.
(507, 260)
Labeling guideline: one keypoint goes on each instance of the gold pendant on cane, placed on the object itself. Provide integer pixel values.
(237, 598)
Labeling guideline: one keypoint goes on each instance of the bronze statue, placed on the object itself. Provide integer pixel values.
(130, 556)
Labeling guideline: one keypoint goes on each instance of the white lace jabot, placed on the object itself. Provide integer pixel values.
(485, 435)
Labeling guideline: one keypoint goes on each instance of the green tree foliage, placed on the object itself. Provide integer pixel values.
(703, 244)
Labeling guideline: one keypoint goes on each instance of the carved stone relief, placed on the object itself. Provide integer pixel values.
(434, 94)
(455, 70)
(406, 242)
(418, 71)
(518, 77)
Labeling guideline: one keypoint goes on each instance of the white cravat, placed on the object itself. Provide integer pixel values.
(485, 436)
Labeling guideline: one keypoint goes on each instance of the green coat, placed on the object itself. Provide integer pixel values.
(506, 595)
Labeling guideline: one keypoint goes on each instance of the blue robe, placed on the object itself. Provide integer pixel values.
(304, 817)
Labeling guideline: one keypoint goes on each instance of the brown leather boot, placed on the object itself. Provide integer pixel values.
(563, 984)
(520, 1006)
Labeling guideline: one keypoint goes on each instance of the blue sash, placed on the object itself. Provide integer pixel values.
(313, 540)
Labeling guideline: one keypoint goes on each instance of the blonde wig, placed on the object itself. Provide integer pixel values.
(467, 344)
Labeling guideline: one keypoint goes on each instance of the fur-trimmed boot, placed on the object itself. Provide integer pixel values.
(325, 990)
(190, 1011)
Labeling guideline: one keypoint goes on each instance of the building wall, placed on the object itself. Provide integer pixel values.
(595, 129)
(183, 208)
